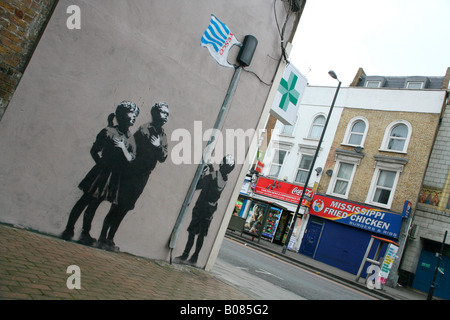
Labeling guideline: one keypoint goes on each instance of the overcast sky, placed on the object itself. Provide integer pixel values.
(384, 37)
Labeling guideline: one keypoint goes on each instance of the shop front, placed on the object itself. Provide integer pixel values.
(339, 231)
(266, 211)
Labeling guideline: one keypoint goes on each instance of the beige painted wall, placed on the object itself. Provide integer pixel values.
(144, 51)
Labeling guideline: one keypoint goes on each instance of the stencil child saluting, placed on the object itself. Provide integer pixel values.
(212, 184)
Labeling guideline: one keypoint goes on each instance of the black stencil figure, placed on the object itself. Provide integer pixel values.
(212, 184)
(151, 148)
(112, 151)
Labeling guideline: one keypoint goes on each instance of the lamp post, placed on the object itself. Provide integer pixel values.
(291, 229)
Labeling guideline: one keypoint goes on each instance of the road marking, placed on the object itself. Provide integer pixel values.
(268, 273)
(316, 273)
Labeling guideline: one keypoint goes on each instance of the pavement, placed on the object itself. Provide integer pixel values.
(35, 266)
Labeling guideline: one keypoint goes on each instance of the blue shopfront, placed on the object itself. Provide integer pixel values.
(338, 232)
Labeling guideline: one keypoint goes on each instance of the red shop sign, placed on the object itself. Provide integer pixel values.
(282, 190)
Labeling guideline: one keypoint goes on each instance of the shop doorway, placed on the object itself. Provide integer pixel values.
(425, 273)
(283, 227)
(311, 237)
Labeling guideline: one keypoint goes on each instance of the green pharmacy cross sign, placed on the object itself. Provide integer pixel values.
(288, 95)
(288, 91)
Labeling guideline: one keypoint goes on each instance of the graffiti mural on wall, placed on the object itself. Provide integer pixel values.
(211, 183)
(435, 198)
(123, 164)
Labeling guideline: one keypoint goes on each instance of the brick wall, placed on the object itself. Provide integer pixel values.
(21, 25)
(424, 128)
(432, 217)
(436, 185)
(440, 162)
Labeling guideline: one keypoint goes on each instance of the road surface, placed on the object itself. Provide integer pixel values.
(268, 278)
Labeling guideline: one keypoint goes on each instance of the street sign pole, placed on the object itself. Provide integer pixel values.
(218, 125)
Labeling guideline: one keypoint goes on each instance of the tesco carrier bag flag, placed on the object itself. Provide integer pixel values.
(218, 39)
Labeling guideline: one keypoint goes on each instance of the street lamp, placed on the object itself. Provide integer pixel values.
(333, 75)
(291, 229)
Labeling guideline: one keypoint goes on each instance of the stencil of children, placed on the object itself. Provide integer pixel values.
(212, 185)
(112, 150)
(151, 148)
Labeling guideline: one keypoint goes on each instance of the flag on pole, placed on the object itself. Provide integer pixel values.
(218, 39)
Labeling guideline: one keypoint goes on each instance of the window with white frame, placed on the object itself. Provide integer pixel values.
(277, 163)
(384, 186)
(289, 129)
(343, 178)
(303, 168)
(384, 182)
(344, 172)
(317, 127)
(373, 83)
(356, 132)
(414, 85)
(397, 136)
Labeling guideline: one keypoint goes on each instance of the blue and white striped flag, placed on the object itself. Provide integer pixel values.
(219, 39)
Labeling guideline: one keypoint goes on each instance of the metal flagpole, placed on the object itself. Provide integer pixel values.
(217, 126)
